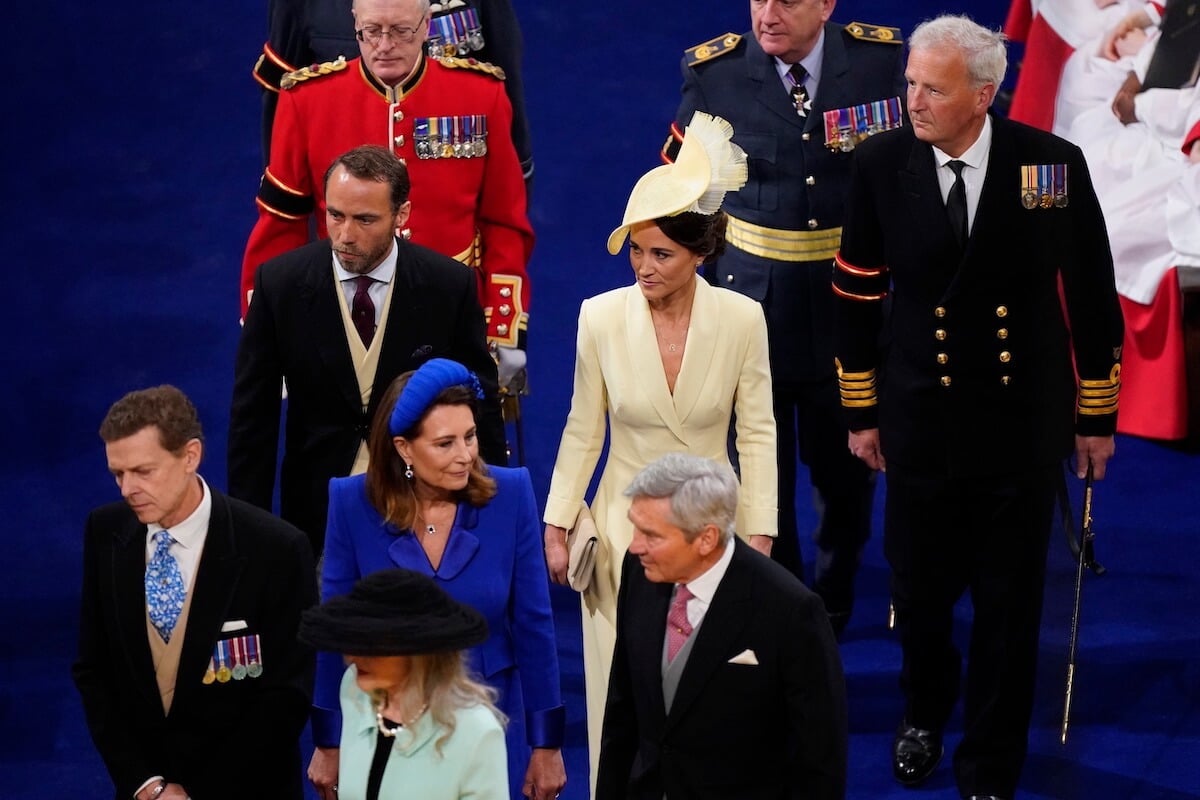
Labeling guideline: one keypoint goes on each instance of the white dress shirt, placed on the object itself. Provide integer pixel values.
(976, 159)
(705, 586)
(382, 275)
(189, 537)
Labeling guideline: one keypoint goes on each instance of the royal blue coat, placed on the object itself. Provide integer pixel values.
(493, 561)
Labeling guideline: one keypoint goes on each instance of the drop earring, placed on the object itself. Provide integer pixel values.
(408, 473)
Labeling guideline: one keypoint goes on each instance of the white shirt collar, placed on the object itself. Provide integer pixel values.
(191, 532)
(811, 63)
(382, 273)
(705, 586)
(976, 155)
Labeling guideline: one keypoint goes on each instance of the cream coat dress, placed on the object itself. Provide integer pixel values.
(620, 385)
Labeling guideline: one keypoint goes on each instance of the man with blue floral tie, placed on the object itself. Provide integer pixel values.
(192, 679)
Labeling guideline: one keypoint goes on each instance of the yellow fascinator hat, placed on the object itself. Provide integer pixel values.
(709, 164)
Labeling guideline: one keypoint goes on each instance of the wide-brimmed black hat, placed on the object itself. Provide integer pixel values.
(394, 612)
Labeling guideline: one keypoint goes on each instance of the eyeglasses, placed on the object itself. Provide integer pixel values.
(374, 34)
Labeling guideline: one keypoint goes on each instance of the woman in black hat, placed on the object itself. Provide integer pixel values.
(428, 503)
(415, 724)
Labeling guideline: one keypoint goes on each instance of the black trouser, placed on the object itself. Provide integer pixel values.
(809, 424)
(989, 536)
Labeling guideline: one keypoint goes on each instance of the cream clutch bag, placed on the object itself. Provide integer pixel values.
(583, 543)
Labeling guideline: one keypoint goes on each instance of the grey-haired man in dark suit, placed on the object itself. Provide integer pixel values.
(715, 637)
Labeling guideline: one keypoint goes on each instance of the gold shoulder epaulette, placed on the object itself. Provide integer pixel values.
(485, 67)
(874, 33)
(313, 71)
(712, 48)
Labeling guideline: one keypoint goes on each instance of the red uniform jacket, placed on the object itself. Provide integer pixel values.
(470, 205)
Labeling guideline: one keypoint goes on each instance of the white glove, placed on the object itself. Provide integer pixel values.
(510, 361)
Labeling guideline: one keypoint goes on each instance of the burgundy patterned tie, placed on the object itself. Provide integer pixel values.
(678, 627)
(362, 310)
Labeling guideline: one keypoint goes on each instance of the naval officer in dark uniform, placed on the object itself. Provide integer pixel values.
(969, 224)
(777, 86)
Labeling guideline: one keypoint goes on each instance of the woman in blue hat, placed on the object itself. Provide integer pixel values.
(428, 503)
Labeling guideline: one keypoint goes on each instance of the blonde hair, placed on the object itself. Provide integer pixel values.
(441, 682)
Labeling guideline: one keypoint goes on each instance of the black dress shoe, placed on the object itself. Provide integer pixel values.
(915, 754)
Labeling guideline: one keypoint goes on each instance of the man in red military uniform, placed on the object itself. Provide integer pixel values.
(449, 120)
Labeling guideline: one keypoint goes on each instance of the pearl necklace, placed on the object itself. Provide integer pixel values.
(391, 732)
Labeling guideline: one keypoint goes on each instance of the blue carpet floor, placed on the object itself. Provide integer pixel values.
(134, 162)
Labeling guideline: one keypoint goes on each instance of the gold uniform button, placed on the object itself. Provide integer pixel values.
(1005, 356)
(940, 335)
(942, 358)
(506, 292)
(1001, 311)
(505, 309)
(805, 136)
(810, 180)
(945, 380)
(1005, 380)
(939, 312)
(1002, 333)
(812, 224)
(729, 279)
(501, 329)
(399, 140)
(404, 161)
(398, 116)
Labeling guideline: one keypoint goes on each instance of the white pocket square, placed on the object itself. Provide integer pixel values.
(237, 625)
(745, 657)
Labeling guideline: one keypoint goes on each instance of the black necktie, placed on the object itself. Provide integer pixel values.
(798, 74)
(956, 203)
(362, 310)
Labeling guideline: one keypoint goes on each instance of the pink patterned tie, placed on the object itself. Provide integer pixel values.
(678, 627)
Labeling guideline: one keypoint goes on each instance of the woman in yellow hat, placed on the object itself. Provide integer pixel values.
(665, 365)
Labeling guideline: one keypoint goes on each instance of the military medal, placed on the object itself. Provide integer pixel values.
(474, 30)
(800, 99)
(469, 136)
(254, 668)
(481, 132)
(1060, 185)
(454, 33)
(442, 144)
(833, 136)
(421, 138)
(455, 20)
(846, 127)
(210, 675)
(1046, 200)
(1029, 186)
(239, 656)
(223, 672)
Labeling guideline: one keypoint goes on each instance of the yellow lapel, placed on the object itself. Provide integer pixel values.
(642, 348)
(699, 350)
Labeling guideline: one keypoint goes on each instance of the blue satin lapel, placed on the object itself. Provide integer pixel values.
(405, 551)
(461, 548)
